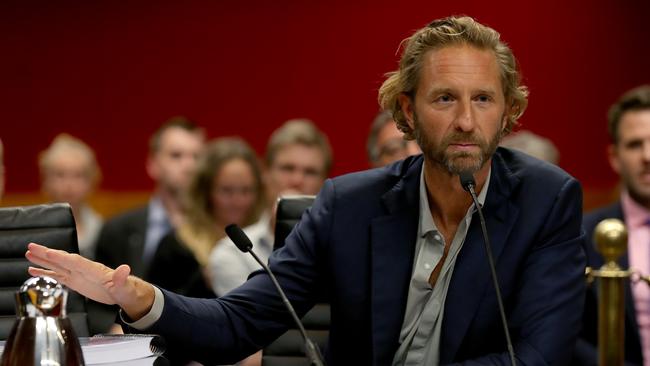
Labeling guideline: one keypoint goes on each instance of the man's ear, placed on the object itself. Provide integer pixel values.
(510, 111)
(504, 122)
(612, 156)
(152, 167)
(407, 106)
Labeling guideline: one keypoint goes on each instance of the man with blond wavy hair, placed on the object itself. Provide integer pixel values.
(398, 250)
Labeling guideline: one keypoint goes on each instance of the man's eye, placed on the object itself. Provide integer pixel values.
(634, 144)
(287, 168)
(312, 173)
(444, 98)
(483, 98)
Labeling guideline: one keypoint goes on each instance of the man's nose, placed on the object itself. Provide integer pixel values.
(296, 180)
(465, 120)
(646, 151)
(189, 162)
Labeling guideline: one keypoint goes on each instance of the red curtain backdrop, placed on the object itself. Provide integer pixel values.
(110, 72)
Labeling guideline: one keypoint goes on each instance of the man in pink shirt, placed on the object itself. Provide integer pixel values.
(629, 156)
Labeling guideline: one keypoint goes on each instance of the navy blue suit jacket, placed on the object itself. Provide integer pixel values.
(586, 350)
(356, 247)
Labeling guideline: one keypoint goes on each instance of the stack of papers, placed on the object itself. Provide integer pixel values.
(107, 349)
(122, 350)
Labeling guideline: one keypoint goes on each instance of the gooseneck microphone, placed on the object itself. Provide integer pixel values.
(468, 183)
(237, 235)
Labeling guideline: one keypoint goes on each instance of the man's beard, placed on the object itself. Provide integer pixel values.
(634, 188)
(458, 161)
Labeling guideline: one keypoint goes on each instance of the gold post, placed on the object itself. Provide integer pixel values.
(610, 236)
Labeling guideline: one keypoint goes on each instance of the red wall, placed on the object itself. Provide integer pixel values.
(110, 72)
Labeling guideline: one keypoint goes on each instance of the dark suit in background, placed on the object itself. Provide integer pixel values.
(356, 246)
(175, 268)
(121, 241)
(586, 350)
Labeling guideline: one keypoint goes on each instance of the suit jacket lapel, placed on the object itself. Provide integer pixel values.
(471, 278)
(393, 239)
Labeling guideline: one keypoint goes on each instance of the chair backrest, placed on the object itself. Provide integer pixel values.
(52, 225)
(288, 349)
(288, 213)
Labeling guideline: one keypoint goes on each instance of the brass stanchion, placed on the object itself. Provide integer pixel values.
(610, 236)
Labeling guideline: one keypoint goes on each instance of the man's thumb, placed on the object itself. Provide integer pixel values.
(120, 275)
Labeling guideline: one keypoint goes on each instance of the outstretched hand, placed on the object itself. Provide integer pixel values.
(93, 280)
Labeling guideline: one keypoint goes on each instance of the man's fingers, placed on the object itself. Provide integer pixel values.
(37, 271)
(36, 253)
(58, 258)
(63, 262)
(41, 254)
(46, 272)
(37, 249)
(91, 279)
(65, 259)
(34, 258)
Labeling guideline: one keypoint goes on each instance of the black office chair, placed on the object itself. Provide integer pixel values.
(52, 225)
(288, 349)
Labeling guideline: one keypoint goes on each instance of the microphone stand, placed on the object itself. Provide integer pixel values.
(468, 183)
(244, 244)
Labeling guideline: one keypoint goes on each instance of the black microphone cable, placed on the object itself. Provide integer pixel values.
(468, 183)
(237, 235)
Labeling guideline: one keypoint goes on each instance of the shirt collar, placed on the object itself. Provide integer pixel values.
(635, 214)
(157, 213)
(426, 220)
(264, 226)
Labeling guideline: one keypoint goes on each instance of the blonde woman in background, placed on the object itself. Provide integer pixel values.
(70, 173)
(226, 189)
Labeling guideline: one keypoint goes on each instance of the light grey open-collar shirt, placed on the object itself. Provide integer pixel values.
(421, 330)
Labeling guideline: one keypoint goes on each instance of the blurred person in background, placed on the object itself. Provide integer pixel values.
(533, 145)
(69, 173)
(629, 157)
(226, 189)
(132, 237)
(298, 160)
(386, 143)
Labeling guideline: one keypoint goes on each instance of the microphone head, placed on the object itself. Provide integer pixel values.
(237, 235)
(467, 180)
